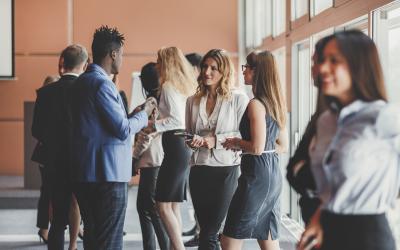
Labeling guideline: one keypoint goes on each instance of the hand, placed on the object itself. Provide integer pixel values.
(298, 166)
(150, 127)
(196, 142)
(150, 105)
(209, 142)
(232, 143)
(313, 234)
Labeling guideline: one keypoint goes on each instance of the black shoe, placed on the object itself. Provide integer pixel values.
(123, 233)
(41, 237)
(193, 242)
(190, 232)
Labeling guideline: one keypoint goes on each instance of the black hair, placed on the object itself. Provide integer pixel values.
(73, 56)
(194, 59)
(150, 80)
(105, 40)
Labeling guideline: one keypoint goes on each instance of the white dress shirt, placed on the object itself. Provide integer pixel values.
(172, 109)
(361, 166)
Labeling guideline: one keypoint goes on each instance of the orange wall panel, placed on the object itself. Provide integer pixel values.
(11, 148)
(40, 26)
(31, 72)
(149, 25)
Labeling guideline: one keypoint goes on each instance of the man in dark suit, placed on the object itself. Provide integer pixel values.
(51, 126)
(101, 148)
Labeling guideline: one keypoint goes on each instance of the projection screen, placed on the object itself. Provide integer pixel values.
(6, 39)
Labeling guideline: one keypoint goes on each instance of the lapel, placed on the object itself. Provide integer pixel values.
(223, 112)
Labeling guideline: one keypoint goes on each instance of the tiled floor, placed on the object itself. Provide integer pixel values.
(18, 231)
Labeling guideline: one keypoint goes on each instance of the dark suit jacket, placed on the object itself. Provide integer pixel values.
(51, 123)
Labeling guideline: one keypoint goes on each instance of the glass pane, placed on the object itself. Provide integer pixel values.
(299, 8)
(279, 55)
(305, 88)
(321, 5)
(279, 13)
(268, 18)
(394, 13)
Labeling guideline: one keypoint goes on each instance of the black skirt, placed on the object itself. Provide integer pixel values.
(356, 232)
(174, 171)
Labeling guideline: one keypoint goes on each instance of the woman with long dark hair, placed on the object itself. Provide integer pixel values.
(255, 208)
(360, 169)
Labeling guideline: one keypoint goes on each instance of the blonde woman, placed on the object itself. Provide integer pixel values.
(177, 83)
(254, 211)
(212, 115)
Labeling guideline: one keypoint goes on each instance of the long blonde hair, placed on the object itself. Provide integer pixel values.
(266, 85)
(225, 67)
(176, 70)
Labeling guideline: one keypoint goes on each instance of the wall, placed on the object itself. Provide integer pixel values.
(44, 27)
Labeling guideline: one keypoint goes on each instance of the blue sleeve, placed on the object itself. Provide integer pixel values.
(113, 114)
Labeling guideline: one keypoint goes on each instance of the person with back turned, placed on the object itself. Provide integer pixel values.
(51, 127)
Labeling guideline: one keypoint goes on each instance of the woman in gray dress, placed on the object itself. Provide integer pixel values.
(255, 208)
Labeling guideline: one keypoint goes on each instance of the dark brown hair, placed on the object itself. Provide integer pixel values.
(266, 85)
(365, 68)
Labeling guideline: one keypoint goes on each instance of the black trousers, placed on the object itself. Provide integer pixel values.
(61, 195)
(43, 216)
(356, 232)
(150, 221)
(212, 189)
(103, 208)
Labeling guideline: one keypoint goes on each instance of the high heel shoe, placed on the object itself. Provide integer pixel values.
(80, 235)
(42, 238)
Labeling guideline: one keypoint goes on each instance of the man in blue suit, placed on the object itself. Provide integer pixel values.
(101, 143)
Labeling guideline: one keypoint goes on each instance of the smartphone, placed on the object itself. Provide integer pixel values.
(187, 136)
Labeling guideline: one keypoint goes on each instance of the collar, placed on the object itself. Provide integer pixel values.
(97, 68)
(70, 74)
(356, 107)
(203, 112)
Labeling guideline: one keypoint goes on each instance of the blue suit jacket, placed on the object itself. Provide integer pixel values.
(101, 143)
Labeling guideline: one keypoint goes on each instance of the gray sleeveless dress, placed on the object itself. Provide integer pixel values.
(255, 208)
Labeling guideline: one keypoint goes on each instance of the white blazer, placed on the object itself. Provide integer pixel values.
(228, 121)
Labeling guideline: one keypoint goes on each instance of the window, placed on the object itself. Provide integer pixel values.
(317, 6)
(299, 8)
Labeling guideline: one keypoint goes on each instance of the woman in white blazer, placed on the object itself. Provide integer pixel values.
(212, 115)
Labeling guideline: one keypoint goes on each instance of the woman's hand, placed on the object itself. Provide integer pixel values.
(232, 143)
(313, 234)
(196, 142)
(209, 142)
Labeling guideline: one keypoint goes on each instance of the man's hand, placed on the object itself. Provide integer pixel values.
(150, 105)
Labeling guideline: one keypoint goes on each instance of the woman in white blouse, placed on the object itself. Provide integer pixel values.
(360, 171)
(178, 82)
(212, 115)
